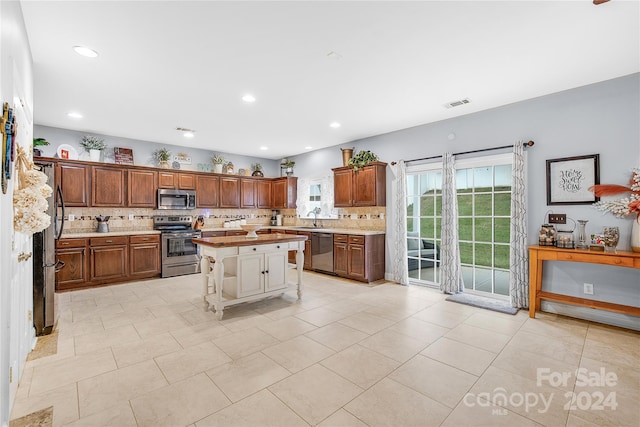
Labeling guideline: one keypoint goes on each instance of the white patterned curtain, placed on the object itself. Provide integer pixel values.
(451, 281)
(398, 218)
(519, 257)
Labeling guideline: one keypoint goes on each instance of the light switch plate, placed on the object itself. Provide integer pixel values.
(72, 217)
(130, 217)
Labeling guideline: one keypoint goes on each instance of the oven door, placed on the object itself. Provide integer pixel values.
(179, 254)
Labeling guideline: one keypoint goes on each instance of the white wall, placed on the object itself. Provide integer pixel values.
(16, 331)
(596, 119)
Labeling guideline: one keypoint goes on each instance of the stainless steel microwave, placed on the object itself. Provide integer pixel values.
(176, 199)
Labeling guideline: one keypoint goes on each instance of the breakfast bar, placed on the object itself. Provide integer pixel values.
(237, 269)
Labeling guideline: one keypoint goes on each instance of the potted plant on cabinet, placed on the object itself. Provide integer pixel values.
(94, 146)
(162, 156)
(361, 159)
(38, 142)
(289, 164)
(217, 161)
(257, 169)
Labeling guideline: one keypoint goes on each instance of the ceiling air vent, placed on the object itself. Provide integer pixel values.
(458, 103)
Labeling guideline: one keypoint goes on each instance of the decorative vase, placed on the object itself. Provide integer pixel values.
(164, 164)
(635, 235)
(257, 173)
(582, 234)
(347, 154)
(94, 155)
(611, 237)
(289, 171)
(217, 167)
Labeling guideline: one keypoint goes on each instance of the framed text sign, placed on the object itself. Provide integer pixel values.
(569, 179)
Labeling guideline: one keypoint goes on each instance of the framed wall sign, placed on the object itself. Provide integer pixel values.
(569, 179)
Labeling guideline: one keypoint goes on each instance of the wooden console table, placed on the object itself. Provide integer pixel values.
(539, 254)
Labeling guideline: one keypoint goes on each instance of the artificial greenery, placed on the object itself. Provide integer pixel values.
(289, 163)
(256, 167)
(162, 155)
(361, 159)
(217, 159)
(89, 142)
(39, 141)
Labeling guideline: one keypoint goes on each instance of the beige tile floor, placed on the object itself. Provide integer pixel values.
(146, 354)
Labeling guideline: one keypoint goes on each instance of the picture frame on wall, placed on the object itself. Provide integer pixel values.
(569, 179)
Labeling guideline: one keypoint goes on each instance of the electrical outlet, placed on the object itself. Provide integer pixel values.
(557, 218)
(588, 289)
(130, 217)
(72, 217)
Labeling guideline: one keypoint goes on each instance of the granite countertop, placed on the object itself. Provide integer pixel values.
(80, 234)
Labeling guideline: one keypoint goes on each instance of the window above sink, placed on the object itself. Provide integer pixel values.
(316, 193)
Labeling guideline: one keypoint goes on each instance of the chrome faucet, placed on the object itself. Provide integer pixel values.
(315, 213)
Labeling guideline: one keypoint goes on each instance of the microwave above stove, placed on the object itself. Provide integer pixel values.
(176, 199)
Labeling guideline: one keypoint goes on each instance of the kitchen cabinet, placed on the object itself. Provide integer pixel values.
(141, 188)
(73, 253)
(229, 192)
(263, 192)
(248, 193)
(284, 192)
(109, 259)
(144, 256)
(107, 186)
(74, 180)
(177, 180)
(364, 187)
(359, 257)
(259, 269)
(207, 189)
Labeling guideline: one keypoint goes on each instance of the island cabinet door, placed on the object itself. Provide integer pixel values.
(276, 271)
(251, 275)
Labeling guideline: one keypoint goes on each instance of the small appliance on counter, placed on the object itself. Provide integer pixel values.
(103, 224)
(274, 217)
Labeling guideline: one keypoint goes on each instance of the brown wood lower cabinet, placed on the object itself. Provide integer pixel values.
(109, 259)
(359, 257)
(144, 256)
(74, 274)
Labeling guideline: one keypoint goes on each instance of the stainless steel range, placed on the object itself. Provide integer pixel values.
(179, 254)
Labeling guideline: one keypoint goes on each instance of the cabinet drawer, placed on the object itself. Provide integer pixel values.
(340, 238)
(597, 259)
(359, 240)
(144, 238)
(71, 243)
(272, 247)
(104, 241)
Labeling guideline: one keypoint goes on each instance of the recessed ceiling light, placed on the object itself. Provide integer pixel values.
(263, 148)
(335, 125)
(189, 134)
(74, 115)
(85, 51)
(308, 147)
(249, 98)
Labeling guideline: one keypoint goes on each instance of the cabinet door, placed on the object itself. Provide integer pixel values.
(285, 192)
(251, 275)
(247, 193)
(342, 187)
(107, 186)
(142, 189)
(276, 271)
(166, 180)
(263, 190)
(109, 263)
(364, 187)
(340, 266)
(229, 192)
(356, 264)
(186, 181)
(74, 273)
(144, 256)
(207, 188)
(74, 182)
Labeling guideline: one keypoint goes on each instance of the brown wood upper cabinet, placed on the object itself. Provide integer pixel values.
(179, 180)
(74, 180)
(263, 190)
(284, 192)
(107, 186)
(229, 192)
(248, 192)
(207, 191)
(142, 185)
(364, 187)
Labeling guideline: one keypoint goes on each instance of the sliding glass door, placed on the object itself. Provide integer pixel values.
(484, 203)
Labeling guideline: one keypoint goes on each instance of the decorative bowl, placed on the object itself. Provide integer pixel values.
(251, 229)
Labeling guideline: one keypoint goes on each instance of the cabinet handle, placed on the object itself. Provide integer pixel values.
(254, 249)
(65, 243)
(278, 247)
(267, 271)
(109, 241)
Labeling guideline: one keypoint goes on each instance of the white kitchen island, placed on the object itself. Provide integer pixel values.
(237, 269)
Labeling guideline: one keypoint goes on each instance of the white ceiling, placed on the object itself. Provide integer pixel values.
(168, 64)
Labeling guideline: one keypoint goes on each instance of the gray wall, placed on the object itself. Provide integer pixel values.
(600, 119)
(142, 150)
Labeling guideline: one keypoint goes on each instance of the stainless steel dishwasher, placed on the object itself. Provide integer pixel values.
(322, 252)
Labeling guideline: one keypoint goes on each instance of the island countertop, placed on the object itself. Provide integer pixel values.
(262, 239)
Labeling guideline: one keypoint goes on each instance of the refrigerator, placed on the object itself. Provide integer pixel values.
(45, 262)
